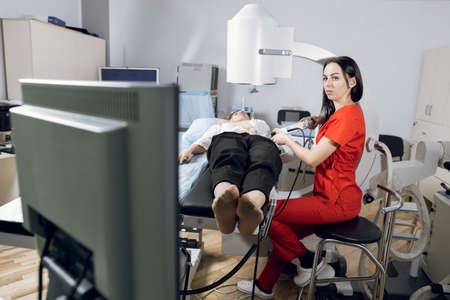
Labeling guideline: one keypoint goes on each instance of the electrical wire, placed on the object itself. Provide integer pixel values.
(256, 263)
(224, 278)
(187, 270)
(295, 179)
(214, 286)
(217, 290)
(370, 170)
(49, 234)
(80, 278)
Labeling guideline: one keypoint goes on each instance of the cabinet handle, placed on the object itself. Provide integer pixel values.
(426, 109)
(414, 123)
(431, 107)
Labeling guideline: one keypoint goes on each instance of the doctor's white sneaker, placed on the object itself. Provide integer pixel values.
(303, 277)
(245, 286)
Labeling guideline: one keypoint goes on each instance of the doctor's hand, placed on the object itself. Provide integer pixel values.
(185, 156)
(317, 120)
(280, 137)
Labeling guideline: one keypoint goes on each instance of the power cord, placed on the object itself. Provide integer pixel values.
(256, 263)
(217, 290)
(224, 278)
(305, 141)
(80, 278)
(370, 170)
(188, 269)
(49, 232)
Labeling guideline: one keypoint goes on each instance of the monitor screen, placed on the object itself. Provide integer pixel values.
(97, 166)
(129, 74)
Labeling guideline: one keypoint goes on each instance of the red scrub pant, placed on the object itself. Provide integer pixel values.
(296, 222)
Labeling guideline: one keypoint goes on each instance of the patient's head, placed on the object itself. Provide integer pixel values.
(237, 116)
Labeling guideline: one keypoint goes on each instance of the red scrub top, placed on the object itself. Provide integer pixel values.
(337, 173)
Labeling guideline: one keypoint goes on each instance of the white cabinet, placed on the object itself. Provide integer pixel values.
(9, 188)
(36, 49)
(427, 131)
(447, 105)
(426, 87)
(435, 86)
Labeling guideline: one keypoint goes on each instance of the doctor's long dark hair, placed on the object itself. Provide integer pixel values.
(351, 69)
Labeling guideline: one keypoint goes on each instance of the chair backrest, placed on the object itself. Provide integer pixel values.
(394, 143)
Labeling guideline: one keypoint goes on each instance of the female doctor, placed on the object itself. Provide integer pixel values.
(336, 196)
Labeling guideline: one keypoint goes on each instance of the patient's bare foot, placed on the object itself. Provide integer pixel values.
(224, 206)
(249, 211)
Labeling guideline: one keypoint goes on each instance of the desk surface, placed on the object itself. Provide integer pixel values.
(12, 211)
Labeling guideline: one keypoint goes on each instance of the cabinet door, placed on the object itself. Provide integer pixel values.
(422, 131)
(426, 87)
(439, 94)
(17, 55)
(446, 97)
(447, 107)
(427, 131)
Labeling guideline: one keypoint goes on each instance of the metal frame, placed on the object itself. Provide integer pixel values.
(380, 261)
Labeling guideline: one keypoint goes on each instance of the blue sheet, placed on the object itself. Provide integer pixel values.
(189, 173)
(194, 105)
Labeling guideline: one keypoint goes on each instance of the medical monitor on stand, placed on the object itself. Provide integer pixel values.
(97, 166)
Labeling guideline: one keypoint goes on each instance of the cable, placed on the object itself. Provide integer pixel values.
(187, 270)
(49, 231)
(256, 263)
(216, 290)
(224, 278)
(296, 177)
(370, 170)
(290, 192)
(223, 286)
(80, 278)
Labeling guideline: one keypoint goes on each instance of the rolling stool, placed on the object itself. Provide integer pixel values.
(356, 233)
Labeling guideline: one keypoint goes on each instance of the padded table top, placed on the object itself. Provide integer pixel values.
(199, 199)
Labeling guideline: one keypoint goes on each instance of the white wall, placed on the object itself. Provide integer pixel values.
(67, 10)
(95, 18)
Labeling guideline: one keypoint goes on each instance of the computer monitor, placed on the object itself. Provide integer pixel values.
(97, 168)
(128, 74)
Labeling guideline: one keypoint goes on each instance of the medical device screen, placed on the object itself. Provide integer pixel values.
(129, 74)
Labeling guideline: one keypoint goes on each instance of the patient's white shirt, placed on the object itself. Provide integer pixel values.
(260, 127)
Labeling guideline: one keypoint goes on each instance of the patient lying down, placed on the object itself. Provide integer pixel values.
(245, 165)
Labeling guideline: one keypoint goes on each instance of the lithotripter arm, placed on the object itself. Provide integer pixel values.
(311, 52)
(305, 50)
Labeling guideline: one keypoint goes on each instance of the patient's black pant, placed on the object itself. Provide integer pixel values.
(251, 162)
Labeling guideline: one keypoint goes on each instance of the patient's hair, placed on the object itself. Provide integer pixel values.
(228, 117)
(351, 69)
